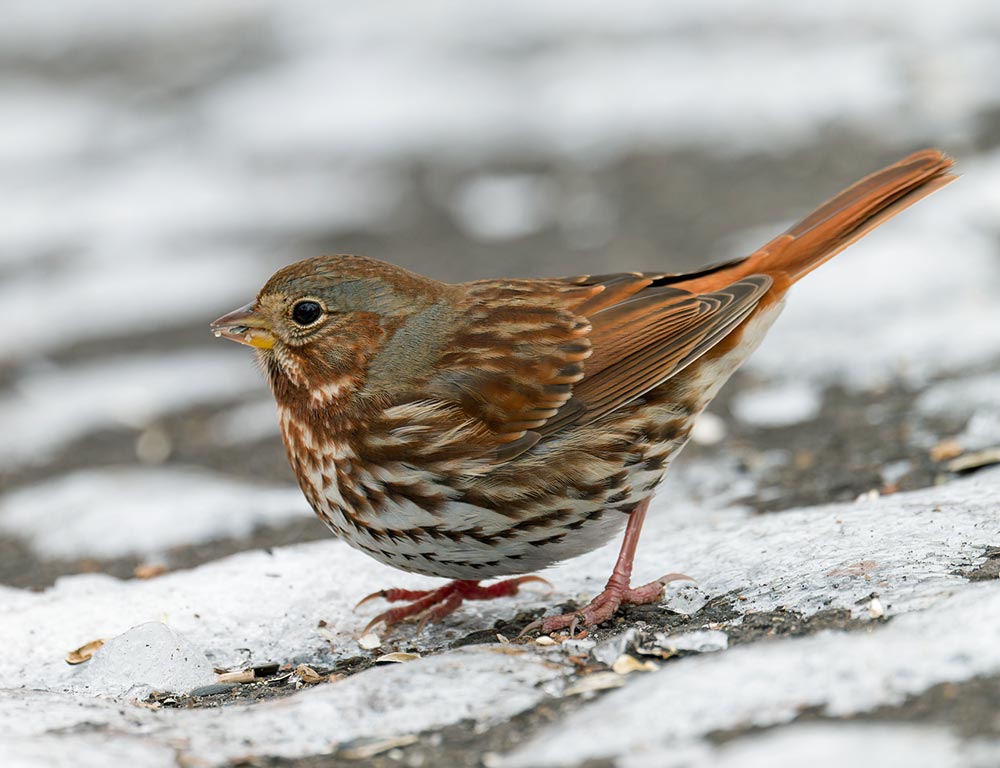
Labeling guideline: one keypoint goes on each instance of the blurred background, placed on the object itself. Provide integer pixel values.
(160, 161)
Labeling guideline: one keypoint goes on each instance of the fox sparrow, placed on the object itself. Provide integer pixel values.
(496, 427)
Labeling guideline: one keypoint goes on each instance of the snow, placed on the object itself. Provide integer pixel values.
(485, 684)
(768, 684)
(789, 402)
(504, 207)
(976, 399)
(266, 606)
(962, 397)
(898, 546)
(702, 641)
(84, 750)
(827, 745)
(146, 658)
(246, 422)
(126, 511)
(51, 406)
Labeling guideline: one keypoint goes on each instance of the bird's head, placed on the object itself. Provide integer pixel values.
(318, 324)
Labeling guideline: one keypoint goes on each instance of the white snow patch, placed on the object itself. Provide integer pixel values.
(974, 398)
(982, 431)
(504, 207)
(961, 397)
(50, 406)
(571, 78)
(708, 429)
(118, 293)
(828, 745)
(122, 511)
(780, 405)
(247, 422)
(171, 240)
(84, 750)
(487, 684)
(700, 641)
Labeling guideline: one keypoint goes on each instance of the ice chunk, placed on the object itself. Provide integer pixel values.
(608, 651)
(684, 597)
(148, 657)
(700, 641)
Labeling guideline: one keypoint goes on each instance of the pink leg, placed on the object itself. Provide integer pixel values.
(428, 605)
(618, 590)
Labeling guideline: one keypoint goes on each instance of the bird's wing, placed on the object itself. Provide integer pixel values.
(532, 357)
(641, 340)
(514, 356)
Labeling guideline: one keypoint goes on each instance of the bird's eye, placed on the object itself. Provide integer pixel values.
(306, 312)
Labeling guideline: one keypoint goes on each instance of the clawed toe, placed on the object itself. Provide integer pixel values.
(522, 580)
(426, 606)
(529, 628)
(396, 595)
(664, 580)
(605, 605)
(369, 598)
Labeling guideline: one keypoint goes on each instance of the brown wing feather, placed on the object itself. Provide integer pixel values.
(642, 342)
(519, 350)
(521, 363)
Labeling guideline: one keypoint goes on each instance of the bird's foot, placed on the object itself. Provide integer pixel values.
(427, 605)
(606, 604)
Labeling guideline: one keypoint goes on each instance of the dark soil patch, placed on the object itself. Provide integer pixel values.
(988, 569)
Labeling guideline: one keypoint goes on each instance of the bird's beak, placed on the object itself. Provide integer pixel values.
(245, 326)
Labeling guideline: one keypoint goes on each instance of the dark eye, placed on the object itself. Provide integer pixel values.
(306, 312)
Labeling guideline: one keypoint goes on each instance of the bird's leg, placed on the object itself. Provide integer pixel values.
(618, 590)
(428, 605)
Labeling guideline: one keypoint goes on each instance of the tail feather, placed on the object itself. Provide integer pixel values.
(833, 226)
(852, 214)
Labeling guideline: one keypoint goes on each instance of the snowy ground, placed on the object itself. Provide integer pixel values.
(837, 508)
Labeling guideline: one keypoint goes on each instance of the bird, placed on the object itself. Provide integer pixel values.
(494, 428)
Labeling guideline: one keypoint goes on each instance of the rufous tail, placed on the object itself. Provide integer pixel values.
(846, 218)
